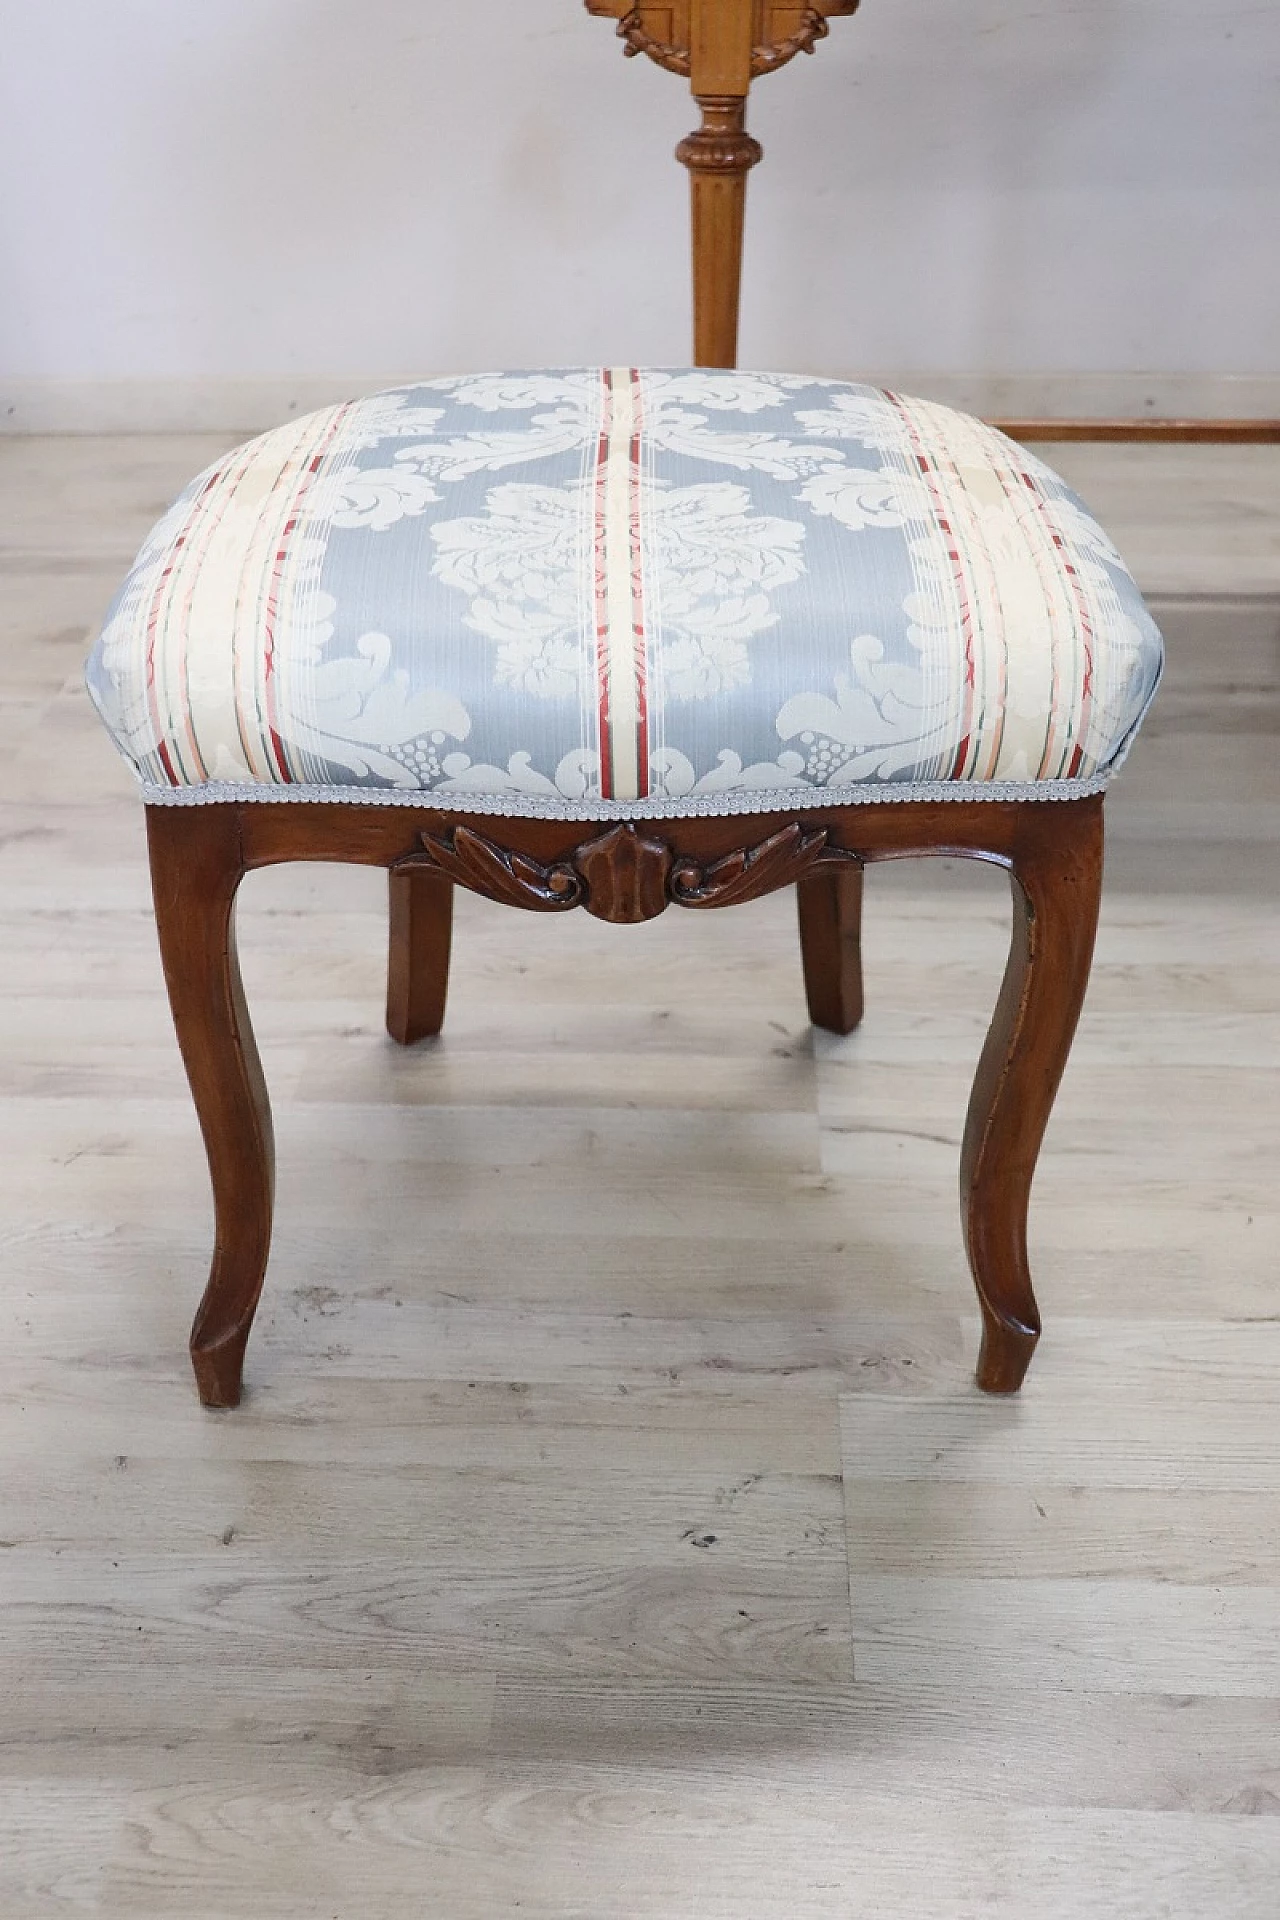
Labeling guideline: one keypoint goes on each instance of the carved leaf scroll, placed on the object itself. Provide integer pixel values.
(498, 873)
(625, 876)
(750, 871)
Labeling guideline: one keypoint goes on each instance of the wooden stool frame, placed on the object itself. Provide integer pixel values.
(626, 873)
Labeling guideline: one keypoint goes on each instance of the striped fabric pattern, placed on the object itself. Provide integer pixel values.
(609, 592)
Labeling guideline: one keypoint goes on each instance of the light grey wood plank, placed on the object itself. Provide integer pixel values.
(1114, 1636)
(989, 1528)
(682, 1612)
(531, 1508)
(731, 1426)
(568, 1843)
(1077, 1430)
(57, 1838)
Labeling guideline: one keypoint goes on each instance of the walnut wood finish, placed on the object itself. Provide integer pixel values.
(421, 933)
(663, 29)
(719, 157)
(1056, 873)
(830, 907)
(196, 867)
(624, 875)
(627, 874)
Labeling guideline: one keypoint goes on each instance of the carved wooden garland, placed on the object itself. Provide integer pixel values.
(624, 876)
(631, 29)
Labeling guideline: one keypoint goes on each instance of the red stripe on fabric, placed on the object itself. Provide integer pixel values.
(602, 593)
(271, 610)
(277, 747)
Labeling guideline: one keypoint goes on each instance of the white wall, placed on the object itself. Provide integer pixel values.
(211, 212)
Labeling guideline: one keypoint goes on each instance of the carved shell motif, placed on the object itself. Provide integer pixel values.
(625, 876)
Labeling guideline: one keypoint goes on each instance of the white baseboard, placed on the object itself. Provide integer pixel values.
(168, 406)
(250, 406)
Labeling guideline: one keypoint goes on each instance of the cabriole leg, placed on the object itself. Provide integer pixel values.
(1057, 878)
(196, 867)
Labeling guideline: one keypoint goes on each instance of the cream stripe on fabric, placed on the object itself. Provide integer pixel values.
(1026, 626)
(944, 552)
(165, 639)
(1035, 708)
(252, 518)
(291, 583)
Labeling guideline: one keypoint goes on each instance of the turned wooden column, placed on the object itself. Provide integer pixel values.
(720, 46)
(719, 157)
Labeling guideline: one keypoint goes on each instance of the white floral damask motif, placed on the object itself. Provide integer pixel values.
(881, 723)
(545, 434)
(718, 562)
(524, 562)
(673, 775)
(886, 717)
(378, 498)
(669, 426)
(733, 392)
(576, 778)
(393, 415)
(371, 722)
(676, 430)
(522, 566)
(858, 415)
(861, 497)
(507, 392)
(374, 497)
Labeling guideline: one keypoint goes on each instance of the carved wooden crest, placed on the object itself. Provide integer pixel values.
(625, 876)
(664, 29)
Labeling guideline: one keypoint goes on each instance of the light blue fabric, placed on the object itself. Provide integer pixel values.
(597, 593)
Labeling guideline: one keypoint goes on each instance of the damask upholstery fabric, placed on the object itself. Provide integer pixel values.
(611, 593)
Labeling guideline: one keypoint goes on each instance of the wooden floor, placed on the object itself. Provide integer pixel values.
(611, 1530)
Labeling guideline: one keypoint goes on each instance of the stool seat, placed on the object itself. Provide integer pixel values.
(612, 593)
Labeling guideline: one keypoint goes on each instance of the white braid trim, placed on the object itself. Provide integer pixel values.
(694, 806)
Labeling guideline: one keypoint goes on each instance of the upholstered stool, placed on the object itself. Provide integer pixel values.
(617, 594)
(618, 639)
